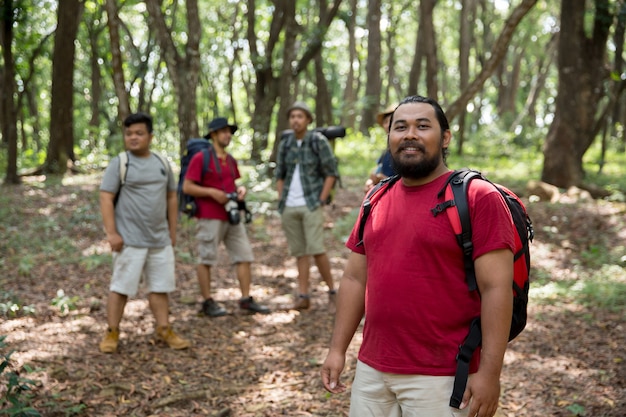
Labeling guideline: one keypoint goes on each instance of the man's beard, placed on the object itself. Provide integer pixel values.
(415, 169)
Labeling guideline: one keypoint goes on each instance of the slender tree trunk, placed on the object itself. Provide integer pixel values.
(430, 43)
(183, 70)
(498, 53)
(8, 119)
(119, 83)
(465, 43)
(61, 145)
(349, 112)
(371, 102)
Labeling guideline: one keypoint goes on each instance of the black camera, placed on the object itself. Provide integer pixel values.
(330, 132)
(232, 209)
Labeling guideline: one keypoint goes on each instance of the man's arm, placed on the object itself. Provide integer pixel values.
(327, 188)
(494, 276)
(350, 309)
(196, 190)
(280, 185)
(107, 209)
(172, 214)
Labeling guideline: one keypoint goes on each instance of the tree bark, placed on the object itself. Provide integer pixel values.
(371, 101)
(8, 119)
(119, 83)
(61, 145)
(581, 66)
(183, 70)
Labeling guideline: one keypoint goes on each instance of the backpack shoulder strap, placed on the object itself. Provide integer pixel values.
(163, 160)
(385, 185)
(123, 156)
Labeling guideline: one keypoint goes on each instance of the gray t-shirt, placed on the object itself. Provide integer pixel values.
(141, 210)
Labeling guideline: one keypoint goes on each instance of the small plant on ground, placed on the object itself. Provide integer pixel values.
(15, 401)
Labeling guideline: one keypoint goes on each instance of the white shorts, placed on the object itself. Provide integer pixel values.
(376, 393)
(154, 265)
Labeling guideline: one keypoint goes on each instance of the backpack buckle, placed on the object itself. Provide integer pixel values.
(439, 208)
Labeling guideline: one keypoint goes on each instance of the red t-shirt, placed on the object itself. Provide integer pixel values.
(207, 207)
(418, 307)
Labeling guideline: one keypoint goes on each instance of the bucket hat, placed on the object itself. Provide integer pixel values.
(219, 123)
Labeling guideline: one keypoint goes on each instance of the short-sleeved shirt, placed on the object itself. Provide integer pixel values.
(384, 164)
(141, 209)
(418, 305)
(224, 180)
(316, 162)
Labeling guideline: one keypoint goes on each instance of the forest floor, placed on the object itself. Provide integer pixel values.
(570, 360)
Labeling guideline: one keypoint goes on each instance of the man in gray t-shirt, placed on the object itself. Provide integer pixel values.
(139, 211)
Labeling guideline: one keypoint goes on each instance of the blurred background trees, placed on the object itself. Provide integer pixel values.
(513, 75)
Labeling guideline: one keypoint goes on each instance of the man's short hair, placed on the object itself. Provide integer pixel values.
(139, 117)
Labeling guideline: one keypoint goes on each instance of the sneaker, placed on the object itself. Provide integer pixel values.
(332, 301)
(252, 306)
(110, 341)
(212, 309)
(303, 302)
(167, 335)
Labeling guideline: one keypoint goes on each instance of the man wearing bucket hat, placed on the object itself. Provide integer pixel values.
(214, 189)
(383, 168)
(305, 173)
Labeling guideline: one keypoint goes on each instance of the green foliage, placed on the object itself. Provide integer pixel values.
(603, 288)
(11, 306)
(65, 303)
(15, 401)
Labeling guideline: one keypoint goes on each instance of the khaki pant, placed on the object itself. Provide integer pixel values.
(377, 394)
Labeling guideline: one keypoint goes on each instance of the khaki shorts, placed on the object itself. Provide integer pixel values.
(304, 230)
(209, 234)
(154, 265)
(377, 393)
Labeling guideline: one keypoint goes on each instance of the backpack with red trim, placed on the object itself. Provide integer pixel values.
(454, 194)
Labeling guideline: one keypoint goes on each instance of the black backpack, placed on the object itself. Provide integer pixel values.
(454, 193)
(186, 202)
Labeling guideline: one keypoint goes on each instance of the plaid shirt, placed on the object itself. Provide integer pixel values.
(317, 162)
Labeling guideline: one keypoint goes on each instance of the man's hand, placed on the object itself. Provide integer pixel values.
(115, 241)
(484, 392)
(331, 370)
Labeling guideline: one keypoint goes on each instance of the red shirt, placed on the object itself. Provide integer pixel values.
(418, 307)
(208, 208)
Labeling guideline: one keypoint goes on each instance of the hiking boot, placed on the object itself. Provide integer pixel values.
(303, 302)
(332, 301)
(212, 309)
(167, 335)
(110, 341)
(252, 306)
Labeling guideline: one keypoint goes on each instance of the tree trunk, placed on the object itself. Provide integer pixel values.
(498, 53)
(61, 145)
(183, 70)
(348, 110)
(8, 119)
(465, 43)
(581, 66)
(430, 44)
(371, 102)
(119, 83)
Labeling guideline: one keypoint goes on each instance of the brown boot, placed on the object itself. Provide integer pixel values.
(167, 335)
(110, 341)
(303, 302)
